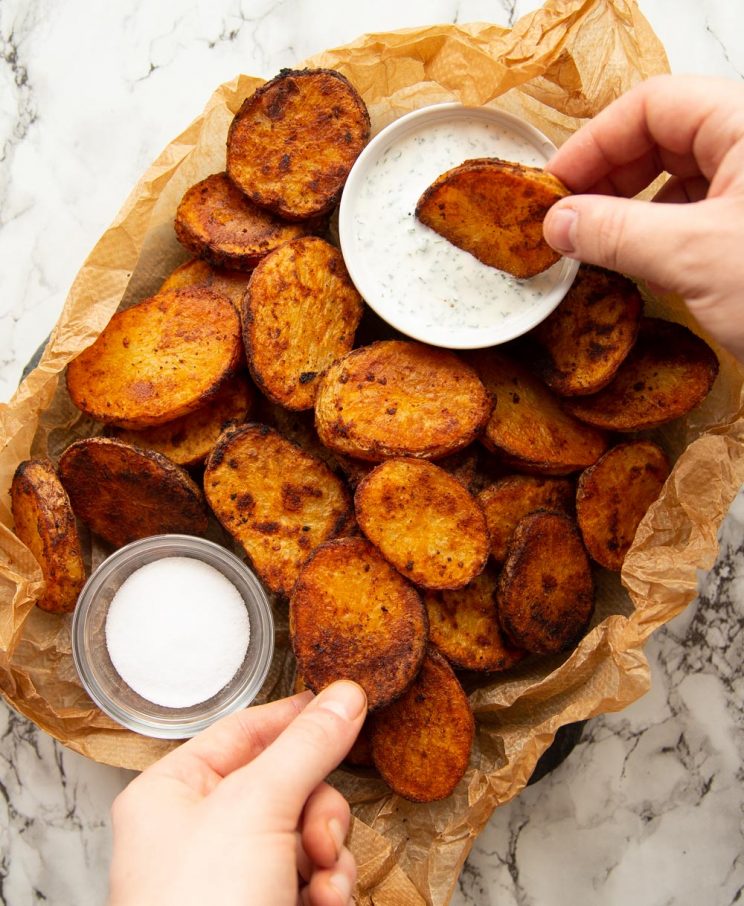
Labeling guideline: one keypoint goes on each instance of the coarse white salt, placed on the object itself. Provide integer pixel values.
(177, 631)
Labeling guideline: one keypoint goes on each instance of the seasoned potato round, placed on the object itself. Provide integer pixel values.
(352, 616)
(276, 500)
(44, 522)
(528, 427)
(508, 499)
(216, 221)
(668, 372)
(495, 209)
(421, 744)
(299, 317)
(589, 334)
(463, 626)
(397, 398)
(545, 594)
(613, 496)
(294, 140)
(198, 272)
(158, 360)
(187, 440)
(123, 493)
(424, 521)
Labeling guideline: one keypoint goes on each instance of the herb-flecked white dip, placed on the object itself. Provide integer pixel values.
(425, 284)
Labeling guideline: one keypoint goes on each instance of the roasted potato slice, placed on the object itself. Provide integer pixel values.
(508, 499)
(421, 744)
(158, 360)
(545, 594)
(589, 334)
(299, 427)
(613, 496)
(45, 523)
(463, 626)
(495, 209)
(294, 141)
(528, 427)
(198, 272)
(398, 398)
(188, 440)
(351, 616)
(276, 500)
(299, 317)
(123, 493)
(216, 221)
(668, 372)
(424, 521)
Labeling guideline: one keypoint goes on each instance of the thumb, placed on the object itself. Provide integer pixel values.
(278, 782)
(645, 239)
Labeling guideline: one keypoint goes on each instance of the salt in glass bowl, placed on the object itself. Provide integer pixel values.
(370, 271)
(98, 675)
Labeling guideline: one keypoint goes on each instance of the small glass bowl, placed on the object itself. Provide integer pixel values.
(98, 675)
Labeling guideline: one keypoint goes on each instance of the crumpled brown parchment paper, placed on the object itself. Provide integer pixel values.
(556, 67)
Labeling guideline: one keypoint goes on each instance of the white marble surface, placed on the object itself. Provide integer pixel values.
(648, 808)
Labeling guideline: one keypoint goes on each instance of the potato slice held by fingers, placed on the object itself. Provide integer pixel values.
(668, 372)
(528, 427)
(276, 500)
(398, 398)
(352, 616)
(299, 316)
(464, 628)
(124, 493)
(613, 496)
(545, 595)
(216, 221)
(198, 272)
(421, 744)
(495, 209)
(45, 523)
(158, 360)
(188, 440)
(294, 141)
(587, 337)
(508, 499)
(424, 521)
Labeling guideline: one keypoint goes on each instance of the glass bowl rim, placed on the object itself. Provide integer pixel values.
(161, 727)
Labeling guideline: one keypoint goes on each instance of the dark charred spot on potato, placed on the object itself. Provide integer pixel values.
(549, 583)
(233, 463)
(307, 376)
(267, 528)
(244, 502)
(284, 162)
(409, 565)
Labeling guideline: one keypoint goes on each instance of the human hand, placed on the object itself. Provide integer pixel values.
(241, 814)
(693, 128)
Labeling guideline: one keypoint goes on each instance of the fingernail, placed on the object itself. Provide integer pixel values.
(342, 885)
(337, 834)
(343, 698)
(560, 229)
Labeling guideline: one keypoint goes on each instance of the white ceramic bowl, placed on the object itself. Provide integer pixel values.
(382, 242)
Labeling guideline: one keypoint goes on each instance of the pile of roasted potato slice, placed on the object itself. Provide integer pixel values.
(420, 511)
